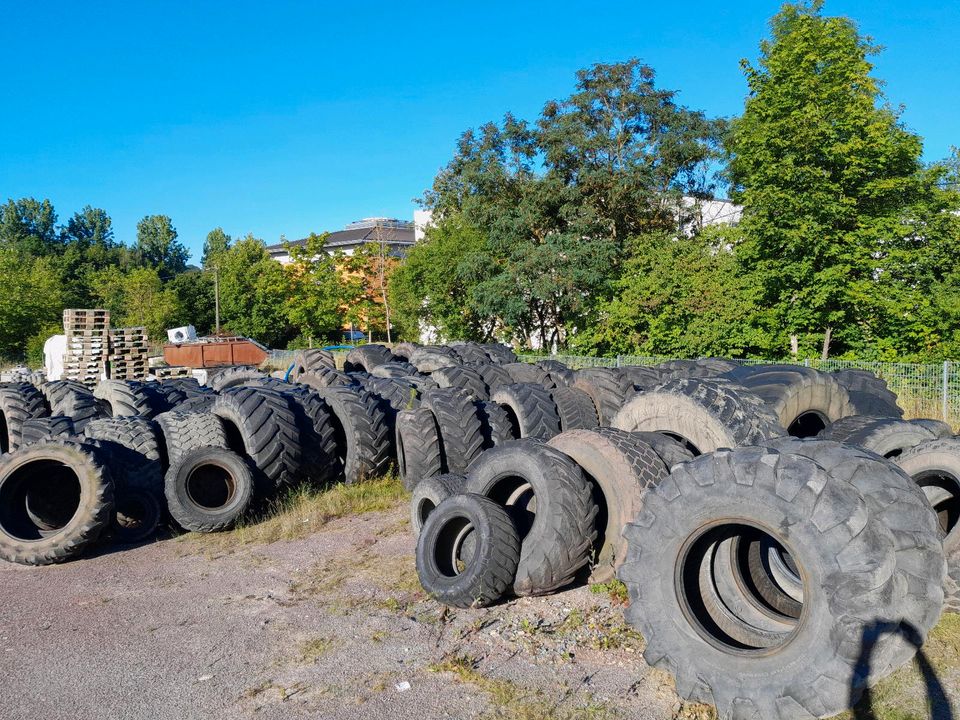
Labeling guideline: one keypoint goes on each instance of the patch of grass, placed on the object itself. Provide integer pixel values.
(304, 510)
(614, 589)
(312, 649)
(509, 701)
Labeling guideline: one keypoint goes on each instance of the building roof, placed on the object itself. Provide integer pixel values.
(392, 232)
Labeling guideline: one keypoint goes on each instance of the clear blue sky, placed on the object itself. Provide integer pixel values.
(285, 118)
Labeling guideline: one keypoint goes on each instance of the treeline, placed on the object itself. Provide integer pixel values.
(583, 229)
(46, 266)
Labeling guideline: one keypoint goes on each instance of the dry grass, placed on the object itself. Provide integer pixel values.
(513, 702)
(304, 510)
(312, 649)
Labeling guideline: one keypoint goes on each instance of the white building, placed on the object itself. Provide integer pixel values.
(398, 235)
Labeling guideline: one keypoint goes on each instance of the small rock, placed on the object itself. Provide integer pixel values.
(403, 686)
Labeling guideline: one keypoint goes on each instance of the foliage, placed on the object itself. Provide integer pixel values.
(314, 301)
(158, 247)
(362, 274)
(136, 298)
(35, 343)
(834, 191)
(216, 243)
(30, 298)
(193, 291)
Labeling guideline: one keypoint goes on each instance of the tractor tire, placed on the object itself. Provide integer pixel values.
(461, 434)
(366, 358)
(123, 398)
(71, 399)
(608, 390)
(575, 409)
(363, 436)
(430, 358)
(19, 402)
(233, 376)
(209, 489)
(418, 446)
(869, 395)
(428, 493)
(465, 378)
(522, 372)
(532, 411)
(886, 436)
(495, 423)
(37, 430)
(185, 431)
(136, 515)
(493, 375)
(132, 449)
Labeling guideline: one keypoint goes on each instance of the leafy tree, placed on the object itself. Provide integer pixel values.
(216, 243)
(158, 247)
(831, 180)
(136, 298)
(193, 291)
(30, 298)
(316, 289)
(29, 225)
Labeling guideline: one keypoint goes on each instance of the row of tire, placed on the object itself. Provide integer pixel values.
(759, 516)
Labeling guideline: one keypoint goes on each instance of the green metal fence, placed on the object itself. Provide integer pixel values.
(923, 389)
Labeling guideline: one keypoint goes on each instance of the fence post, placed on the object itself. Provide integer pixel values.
(946, 390)
(618, 361)
(806, 362)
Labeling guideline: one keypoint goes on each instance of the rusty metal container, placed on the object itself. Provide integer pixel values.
(214, 352)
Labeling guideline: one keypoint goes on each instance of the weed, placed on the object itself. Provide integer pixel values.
(614, 589)
(311, 650)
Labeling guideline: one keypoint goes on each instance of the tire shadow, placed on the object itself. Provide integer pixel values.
(938, 704)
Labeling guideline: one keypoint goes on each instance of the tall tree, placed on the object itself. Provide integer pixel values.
(158, 247)
(315, 299)
(829, 177)
(216, 243)
(30, 225)
(30, 298)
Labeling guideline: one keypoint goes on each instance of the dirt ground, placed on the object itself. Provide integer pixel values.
(333, 625)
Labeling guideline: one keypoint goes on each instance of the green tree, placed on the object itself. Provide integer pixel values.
(193, 292)
(216, 243)
(29, 225)
(136, 298)
(158, 247)
(30, 298)
(316, 297)
(830, 179)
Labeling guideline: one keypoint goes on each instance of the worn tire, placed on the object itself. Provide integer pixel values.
(869, 394)
(522, 372)
(551, 502)
(532, 411)
(461, 435)
(404, 350)
(261, 425)
(805, 400)
(311, 359)
(233, 376)
(608, 390)
(671, 451)
(136, 515)
(471, 353)
(495, 424)
(185, 431)
(133, 449)
(366, 358)
(418, 446)
(465, 378)
(123, 398)
(430, 492)
(621, 470)
(19, 402)
(430, 358)
(37, 430)
(575, 409)
(71, 399)
(935, 466)
(461, 522)
(939, 428)
(394, 369)
(498, 353)
(493, 375)
(857, 587)
(47, 472)
(209, 489)
(363, 436)
(643, 377)
(886, 436)
(706, 414)
(319, 462)
(321, 378)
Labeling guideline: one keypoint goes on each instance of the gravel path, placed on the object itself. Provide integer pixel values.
(334, 625)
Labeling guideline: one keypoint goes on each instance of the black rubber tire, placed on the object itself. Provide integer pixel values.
(394, 369)
(404, 350)
(133, 449)
(935, 466)
(37, 430)
(71, 399)
(209, 489)
(362, 432)
(939, 428)
(418, 446)
(198, 403)
(189, 386)
(311, 359)
(185, 431)
(885, 436)
(465, 378)
(488, 566)
(493, 375)
(430, 492)
(123, 398)
(319, 462)
(706, 414)
(522, 372)
(853, 571)
(621, 470)
(575, 409)
(366, 358)
(671, 451)
(397, 393)
(136, 515)
(551, 502)
(643, 377)
(498, 353)
(869, 395)
(608, 389)
(495, 424)
(532, 411)
(429, 358)
(321, 378)
(233, 376)
(805, 400)
(261, 425)
(461, 434)
(19, 402)
(50, 471)
(560, 373)
(471, 353)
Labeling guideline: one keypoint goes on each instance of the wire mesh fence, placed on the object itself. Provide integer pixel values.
(923, 389)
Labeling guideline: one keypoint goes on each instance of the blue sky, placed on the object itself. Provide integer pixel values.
(283, 118)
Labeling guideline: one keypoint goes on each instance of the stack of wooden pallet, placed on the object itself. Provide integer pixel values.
(128, 353)
(87, 334)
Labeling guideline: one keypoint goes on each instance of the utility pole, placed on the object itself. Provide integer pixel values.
(383, 279)
(216, 296)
